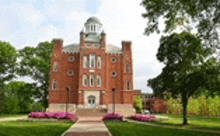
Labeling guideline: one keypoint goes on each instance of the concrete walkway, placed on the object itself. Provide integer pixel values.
(88, 126)
(12, 119)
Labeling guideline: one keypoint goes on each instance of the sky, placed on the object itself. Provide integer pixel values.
(28, 22)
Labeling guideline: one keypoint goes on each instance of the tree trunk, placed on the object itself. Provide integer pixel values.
(185, 109)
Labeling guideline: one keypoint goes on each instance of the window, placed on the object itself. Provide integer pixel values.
(113, 74)
(70, 73)
(99, 81)
(113, 60)
(56, 55)
(127, 68)
(92, 81)
(91, 28)
(54, 84)
(85, 80)
(71, 58)
(92, 61)
(55, 66)
(128, 85)
(89, 45)
(99, 62)
(85, 62)
(97, 46)
(94, 29)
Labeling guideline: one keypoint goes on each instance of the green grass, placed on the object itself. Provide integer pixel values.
(132, 129)
(195, 122)
(16, 128)
(12, 115)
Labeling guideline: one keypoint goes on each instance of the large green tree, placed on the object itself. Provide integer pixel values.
(204, 15)
(35, 63)
(8, 58)
(185, 72)
(18, 97)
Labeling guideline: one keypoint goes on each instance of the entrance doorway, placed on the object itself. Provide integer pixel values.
(91, 102)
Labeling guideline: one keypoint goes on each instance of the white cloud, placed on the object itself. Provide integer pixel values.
(25, 24)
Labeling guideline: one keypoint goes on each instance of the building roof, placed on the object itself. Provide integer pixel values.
(74, 48)
(93, 20)
(113, 49)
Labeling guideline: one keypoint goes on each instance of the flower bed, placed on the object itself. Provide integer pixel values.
(112, 116)
(146, 118)
(52, 115)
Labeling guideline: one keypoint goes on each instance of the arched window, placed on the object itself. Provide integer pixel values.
(92, 81)
(85, 80)
(54, 84)
(94, 29)
(127, 68)
(56, 66)
(91, 28)
(99, 62)
(99, 81)
(92, 61)
(128, 85)
(85, 62)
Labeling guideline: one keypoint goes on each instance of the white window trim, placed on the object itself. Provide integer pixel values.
(85, 61)
(69, 73)
(127, 68)
(90, 78)
(54, 66)
(99, 77)
(90, 60)
(85, 77)
(114, 75)
(99, 60)
(54, 81)
(71, 60)
(113, 61)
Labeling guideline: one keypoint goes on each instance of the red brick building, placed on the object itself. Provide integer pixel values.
(91, 71)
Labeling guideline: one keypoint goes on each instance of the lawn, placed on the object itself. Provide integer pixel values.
(132, 129)
(12, 115)
(194, 122)
(16, 128)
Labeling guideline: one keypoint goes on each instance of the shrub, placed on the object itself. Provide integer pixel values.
(143, 118)
(50, 115)
(112, 116)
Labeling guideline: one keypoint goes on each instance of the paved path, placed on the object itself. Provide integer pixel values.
(172, 127)
(12, 119)
(88, 126)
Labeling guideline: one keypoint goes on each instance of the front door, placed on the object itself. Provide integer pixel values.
(91, 102)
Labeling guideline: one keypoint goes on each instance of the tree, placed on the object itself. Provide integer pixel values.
(8, 58)
(35, 62)
(138, 103)
(18, 97)
(203, 14)
(185, 72)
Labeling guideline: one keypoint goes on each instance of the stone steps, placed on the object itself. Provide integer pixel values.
(91, 112)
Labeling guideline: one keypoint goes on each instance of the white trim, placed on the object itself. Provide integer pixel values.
(91, 78)
(85, 79)
(99, 60)
(85, 61)
(99, 78)
(54, 82)
(92, 57)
